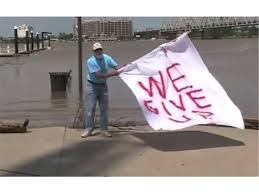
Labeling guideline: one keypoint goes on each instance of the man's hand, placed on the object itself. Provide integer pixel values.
(120, 66)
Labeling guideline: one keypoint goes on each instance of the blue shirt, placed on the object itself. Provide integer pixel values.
(103, 65)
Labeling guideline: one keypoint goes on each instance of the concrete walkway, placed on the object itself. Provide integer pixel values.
(194, 151)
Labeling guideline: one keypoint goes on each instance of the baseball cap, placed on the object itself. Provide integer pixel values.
(97, 45)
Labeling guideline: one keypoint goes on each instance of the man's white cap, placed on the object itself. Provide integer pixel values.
(97, 45)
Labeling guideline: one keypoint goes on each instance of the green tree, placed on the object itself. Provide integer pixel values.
(253, 31)
(214, 33)
(65, 36)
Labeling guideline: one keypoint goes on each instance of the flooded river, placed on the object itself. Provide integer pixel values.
(25, 83)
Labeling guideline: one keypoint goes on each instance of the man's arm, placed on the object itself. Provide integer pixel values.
(96, 70)
(100, 75)
(112, 64)
(111, 73)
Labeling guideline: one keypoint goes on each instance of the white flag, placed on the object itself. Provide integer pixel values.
(175, 89)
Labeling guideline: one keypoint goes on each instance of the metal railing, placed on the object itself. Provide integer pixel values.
(188, 23)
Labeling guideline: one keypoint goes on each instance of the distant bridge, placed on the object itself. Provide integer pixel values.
(199, 23)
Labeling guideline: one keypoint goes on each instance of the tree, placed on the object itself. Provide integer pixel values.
(214, 33)
(253, 31)
(65, 36)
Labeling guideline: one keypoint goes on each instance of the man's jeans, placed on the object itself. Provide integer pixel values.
(93, 94)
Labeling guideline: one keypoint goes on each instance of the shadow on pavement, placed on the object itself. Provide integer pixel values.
(89, 157)
(185, 140)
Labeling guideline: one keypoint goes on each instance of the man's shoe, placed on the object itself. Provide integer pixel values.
(86, 134)
(106, 133)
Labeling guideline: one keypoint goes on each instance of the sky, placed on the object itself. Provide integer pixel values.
(65, 24)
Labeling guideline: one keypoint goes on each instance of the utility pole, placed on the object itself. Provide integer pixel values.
(79, 36)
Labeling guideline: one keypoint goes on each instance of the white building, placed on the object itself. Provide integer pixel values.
(107, 28)
(21, 30)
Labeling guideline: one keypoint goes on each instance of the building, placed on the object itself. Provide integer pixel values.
(21, 30)
(107, 28)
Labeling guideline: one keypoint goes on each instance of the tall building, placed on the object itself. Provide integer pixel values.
(107, 28)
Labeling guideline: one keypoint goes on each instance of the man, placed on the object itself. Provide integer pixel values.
(98, 67)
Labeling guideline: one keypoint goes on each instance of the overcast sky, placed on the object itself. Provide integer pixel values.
(65, 24)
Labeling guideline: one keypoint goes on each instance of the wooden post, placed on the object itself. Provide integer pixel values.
(49, 39)
(27, 41)
(15, 40)
(37, 41)
(42, 40)
(32, 43)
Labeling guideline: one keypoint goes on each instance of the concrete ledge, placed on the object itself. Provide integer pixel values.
(194, 151)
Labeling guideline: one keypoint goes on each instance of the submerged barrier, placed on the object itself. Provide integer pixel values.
(78, 122)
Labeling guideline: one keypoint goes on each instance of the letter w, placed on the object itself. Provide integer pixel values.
(152, 82)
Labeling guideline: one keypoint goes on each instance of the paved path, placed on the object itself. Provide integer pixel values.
(194, 151)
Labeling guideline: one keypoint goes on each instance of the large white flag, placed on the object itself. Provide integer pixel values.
(175, 89)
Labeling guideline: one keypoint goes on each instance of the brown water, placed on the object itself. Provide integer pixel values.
(25, 83)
